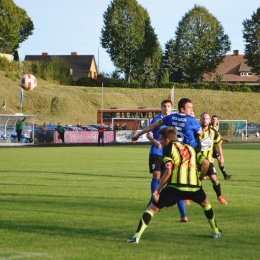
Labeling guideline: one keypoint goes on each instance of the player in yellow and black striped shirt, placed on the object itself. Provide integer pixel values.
(214, 124)
(208, 140)
(181, 180)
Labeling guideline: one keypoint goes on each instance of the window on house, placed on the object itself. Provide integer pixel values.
(249, 73)
(242, 73)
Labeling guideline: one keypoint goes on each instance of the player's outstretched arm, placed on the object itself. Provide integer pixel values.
(145, 130)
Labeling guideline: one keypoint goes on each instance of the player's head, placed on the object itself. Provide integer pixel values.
(205, 119)
(185, 106)
(214, 120)
(166, 107)
(167, 135)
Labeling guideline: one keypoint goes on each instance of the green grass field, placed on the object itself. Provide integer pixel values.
(83, 202)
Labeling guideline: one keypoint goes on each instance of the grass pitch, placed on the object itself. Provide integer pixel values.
(83, 202)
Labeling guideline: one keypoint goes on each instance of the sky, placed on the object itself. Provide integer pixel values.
(62, 27)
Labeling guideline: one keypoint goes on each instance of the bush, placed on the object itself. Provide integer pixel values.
(4, 64)
(57, 70)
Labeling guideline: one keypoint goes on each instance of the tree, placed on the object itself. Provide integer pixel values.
(200, 43)
(165, 77)
(16, 55)
(15, 27)
(148, 77)
(251, 34)
(148, 52)
(128, 37)
(170, 62)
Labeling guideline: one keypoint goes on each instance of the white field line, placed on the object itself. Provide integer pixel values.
(22, 255)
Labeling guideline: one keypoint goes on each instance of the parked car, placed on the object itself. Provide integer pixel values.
(252, 129)
(72, 128)
(107, 127)
(88, 128)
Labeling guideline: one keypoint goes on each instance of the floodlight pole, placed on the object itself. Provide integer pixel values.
(21, 100)
(102, 103)
(98, 58)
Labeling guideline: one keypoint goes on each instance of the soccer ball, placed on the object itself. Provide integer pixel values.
(28, 82)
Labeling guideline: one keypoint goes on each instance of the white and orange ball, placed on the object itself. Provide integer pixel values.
(28, 82)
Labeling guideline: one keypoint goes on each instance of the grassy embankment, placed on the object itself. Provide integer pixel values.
(72, 104)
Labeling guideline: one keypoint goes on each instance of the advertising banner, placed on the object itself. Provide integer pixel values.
(84, 137)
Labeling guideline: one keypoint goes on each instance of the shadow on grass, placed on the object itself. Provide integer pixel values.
(128, 175)
(93, 232)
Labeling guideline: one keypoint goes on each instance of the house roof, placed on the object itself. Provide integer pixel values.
(80, 64)
(230, 70)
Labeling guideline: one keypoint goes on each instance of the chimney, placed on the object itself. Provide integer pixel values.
(235, 52)
(74, 54)
(44, 53)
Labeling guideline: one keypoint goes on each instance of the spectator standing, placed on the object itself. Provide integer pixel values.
(19, 128)
(44, 132)
(61, 131)
(101, 131)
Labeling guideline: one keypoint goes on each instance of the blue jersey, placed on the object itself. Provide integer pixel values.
(186, 127)
(156, 136)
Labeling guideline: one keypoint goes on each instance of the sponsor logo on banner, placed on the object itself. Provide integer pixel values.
(84, 137)
(123, 136)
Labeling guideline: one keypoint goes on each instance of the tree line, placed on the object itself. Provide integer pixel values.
(199, 46)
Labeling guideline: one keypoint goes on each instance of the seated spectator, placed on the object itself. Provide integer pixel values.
(124, 126)
(117, 127)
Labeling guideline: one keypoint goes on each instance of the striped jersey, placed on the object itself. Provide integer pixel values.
(209, 138)
(184, 170)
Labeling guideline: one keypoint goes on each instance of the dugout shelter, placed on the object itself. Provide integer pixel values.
(8, 135)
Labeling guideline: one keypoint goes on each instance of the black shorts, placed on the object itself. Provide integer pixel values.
(211, 170)
(215, 153)
(169, 197)
(156, 163)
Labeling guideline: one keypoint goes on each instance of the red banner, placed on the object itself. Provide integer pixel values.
(84, 137)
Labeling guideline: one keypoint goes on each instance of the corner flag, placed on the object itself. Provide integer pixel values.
(171, 96)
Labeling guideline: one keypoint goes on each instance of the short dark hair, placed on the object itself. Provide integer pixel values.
(166, 101)
(168, 133)
(214, 116)
(204, 113)
(183, 102)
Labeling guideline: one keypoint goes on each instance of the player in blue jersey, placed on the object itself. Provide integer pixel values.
(156, 164)
(184, 123)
